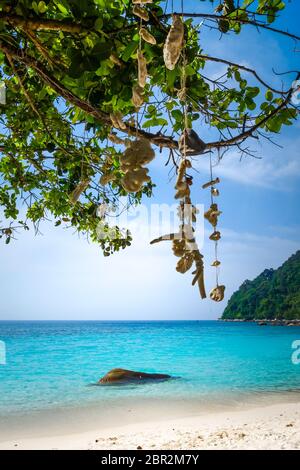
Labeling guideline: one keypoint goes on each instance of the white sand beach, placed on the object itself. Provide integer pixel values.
(274, 426)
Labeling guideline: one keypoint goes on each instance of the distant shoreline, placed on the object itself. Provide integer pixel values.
(264, 322)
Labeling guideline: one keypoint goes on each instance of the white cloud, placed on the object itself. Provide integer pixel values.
(276, 169)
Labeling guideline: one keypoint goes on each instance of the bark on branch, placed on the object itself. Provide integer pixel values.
(156, 139)
(36, 24)
(214, 17)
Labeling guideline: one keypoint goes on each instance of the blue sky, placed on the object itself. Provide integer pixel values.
(58, 275)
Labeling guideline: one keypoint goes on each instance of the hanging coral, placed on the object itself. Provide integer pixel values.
(216, 263)
(142, 69)
(137, 96)
(174, 43)
(134, 179)
(140, 12)
(144, 33)
(116, 119)
(184, 243)
(212, 214)
(215, 236)
(211, 183)
(138, 154)
(217, 294)
(214, 192)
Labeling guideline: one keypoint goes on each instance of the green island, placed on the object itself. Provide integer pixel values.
(273, 295)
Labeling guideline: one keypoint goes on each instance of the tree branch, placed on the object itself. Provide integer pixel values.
(36, 24)
(156, 139)
(49, 79)
(244, 135)
(242, 67)
(238, 20)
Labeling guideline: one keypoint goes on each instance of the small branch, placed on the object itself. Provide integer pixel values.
(49, 79)
(156, 139)
(238, 20)
(242, 67)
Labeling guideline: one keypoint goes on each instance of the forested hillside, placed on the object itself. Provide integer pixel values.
(272, 294)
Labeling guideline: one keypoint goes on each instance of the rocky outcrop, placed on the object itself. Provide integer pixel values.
(115, 376)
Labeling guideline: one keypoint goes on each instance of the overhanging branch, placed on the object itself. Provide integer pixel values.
(257, 24)
(242, 67)
(38, 24)
(156, 139)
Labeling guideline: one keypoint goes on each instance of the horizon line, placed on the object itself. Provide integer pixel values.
(106, 320)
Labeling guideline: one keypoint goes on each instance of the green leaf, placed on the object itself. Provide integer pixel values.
(171, 76)
(177, 115)
(42, 7)
(155, 122)
(61, 6)
(252, 92)
(274, 125)
(130, 50)
(269, 95)
(98, 25)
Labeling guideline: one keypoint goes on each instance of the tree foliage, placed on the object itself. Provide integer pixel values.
(272, 294)
(68, 65)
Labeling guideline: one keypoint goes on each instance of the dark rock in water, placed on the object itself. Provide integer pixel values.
(129, 376)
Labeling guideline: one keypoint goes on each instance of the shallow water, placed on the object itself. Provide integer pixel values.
(51, 365)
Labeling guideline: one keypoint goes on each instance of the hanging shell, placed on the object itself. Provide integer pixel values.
(185, 263)
(184, 164)
(190, 143)
(184, 192)
(174, 43)
(216, 263)
(140, 12)
(215, 192)
(217, 294)
(212, 214)
(137, 96)
(133, 180)
(142, 69)
(178, 247)
(215, 236)
(144, 33)
(181, 94)
(199, 273)
(211, 183)
(137, 154)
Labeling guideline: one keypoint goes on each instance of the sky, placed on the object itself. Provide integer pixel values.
(58, 275)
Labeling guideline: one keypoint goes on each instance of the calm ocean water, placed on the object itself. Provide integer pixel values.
(53, 364)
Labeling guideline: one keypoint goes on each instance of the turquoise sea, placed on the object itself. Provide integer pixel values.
(52, 365)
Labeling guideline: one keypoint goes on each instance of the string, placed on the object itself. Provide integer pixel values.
(140, 50)
(211, 177)
(212, 202)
